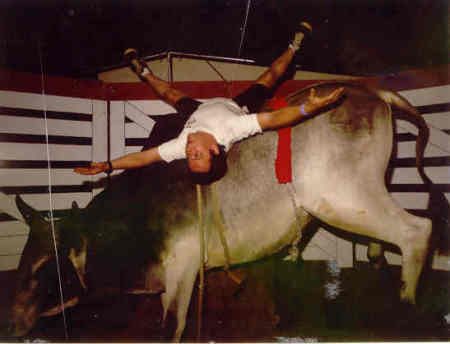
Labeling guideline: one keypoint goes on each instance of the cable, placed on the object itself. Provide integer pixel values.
(244, 28)
(241, 43)
(52, 222)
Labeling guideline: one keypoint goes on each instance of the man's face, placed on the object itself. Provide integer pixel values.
(199, 149)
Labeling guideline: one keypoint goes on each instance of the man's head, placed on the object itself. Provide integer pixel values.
(206, 159)
(200, 148)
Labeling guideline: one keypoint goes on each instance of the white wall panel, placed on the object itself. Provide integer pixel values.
(407, 149)
(429, 95)
(138, 116)
(22, 151)
(152, 107)
(411, 200)
(8, 228)
(8, 206)
(99, 136)
(36, 126)
(441, 262)
(70, 152)
(99, 131)
(29, 177)
(132, 149)
(437, 136)
(314, 252)
(132, 130)
(48, 102)
(323, 245)
(13, 234)
(439, 120)
(406, 127)
(12, 245)
(117, 130)
(10, 262)
(344, 253)
(60, 201)
(409, 175)
(25, 151)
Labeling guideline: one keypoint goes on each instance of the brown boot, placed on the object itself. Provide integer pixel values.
(139, 67)
(303, 29)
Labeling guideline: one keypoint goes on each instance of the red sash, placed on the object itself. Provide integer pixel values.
(283, 164)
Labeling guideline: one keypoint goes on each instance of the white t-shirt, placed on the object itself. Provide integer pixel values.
(220, 117)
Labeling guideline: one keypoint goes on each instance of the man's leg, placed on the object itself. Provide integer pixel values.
(166, 127)
(161, 87)
(270, 77)
(260, 91)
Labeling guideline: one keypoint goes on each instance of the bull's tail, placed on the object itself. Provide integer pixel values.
(410, 114)
(438, 206)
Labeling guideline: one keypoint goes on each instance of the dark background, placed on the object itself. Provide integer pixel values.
(79, 38)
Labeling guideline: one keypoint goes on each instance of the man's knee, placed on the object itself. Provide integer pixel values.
(172, 95)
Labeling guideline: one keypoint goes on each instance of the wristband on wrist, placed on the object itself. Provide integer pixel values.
(303, 111)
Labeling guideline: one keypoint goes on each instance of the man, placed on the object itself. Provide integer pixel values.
(213, 126)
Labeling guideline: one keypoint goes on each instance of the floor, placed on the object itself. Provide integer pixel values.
(278, 302)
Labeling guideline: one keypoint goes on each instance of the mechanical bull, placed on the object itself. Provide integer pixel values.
(339, 160)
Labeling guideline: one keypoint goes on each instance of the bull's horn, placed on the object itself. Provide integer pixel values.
(59, 308)
(27, 211)
(9, 206)
(75, 209)
(75, 205)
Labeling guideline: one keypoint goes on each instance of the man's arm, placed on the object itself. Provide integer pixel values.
(132, 160)
(290, 115)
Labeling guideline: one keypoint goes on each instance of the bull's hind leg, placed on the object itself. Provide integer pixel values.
(414, 250)
(373, 213)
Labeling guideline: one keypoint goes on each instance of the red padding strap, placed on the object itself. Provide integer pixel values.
(283, 165)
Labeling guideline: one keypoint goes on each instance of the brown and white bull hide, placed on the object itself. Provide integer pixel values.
(339, 159)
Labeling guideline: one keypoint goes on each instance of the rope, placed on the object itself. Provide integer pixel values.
(216, 212)
(220, 229)
(294, 249)
(52, 222)
(202, 260)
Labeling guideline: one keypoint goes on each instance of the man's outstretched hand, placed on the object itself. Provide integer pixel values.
(94, 168)
(314, 102)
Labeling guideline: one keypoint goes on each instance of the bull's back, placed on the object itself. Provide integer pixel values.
(349, 140)
(352, 137)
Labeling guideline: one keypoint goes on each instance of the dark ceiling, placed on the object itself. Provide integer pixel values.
(78, 38)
